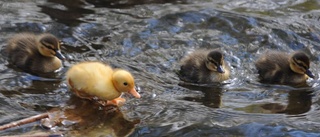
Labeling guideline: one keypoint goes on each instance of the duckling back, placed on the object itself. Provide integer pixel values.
(22, 50)
(194, 69)
(274, 68)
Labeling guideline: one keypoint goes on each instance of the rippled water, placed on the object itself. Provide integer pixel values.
(149, 37)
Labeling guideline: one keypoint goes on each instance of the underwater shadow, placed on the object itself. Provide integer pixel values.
(299, 101)
(69, 15)
(211, 94)
(83, 117)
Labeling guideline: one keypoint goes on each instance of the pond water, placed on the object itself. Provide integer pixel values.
(148, 38)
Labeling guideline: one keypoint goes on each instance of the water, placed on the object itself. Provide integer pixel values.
(149, 37)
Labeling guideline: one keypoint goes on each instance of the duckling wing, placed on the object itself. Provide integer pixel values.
(272, 66)
(193, 67)
(21, 50)
(85, 76)
(92, 79)
(189, 73)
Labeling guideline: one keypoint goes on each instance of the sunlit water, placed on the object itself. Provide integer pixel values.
(149, 38)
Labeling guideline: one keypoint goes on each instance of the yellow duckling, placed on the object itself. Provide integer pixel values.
(276, 67)
(35, 53)
(204, 66)
(92, 80)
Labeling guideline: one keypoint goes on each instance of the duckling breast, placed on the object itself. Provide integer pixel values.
(220, 77)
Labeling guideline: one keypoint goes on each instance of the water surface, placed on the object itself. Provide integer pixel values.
(148, 38)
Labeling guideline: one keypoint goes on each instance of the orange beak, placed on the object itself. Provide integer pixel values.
(134, 93)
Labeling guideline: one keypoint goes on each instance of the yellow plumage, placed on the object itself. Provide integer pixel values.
(94, 79)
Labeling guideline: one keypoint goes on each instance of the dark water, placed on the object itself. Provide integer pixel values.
(149, 37)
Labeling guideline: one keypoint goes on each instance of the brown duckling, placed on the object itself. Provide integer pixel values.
(35, 53)
(204, 66)
(276, 67)
(92, 80)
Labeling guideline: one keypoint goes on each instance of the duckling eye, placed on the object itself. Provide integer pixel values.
(213, 62)
(125, 84)
(301, 65)
(49, 47)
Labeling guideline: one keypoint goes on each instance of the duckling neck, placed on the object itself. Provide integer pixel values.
(221, 76)
(115, 83)
(109, 88)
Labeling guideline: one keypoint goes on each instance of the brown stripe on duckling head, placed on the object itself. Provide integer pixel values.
(301, 59)
(300, 63)
(52, 43)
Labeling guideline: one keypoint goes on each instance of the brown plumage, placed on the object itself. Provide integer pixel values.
(204, 66)
(276, 67)
(35, 53)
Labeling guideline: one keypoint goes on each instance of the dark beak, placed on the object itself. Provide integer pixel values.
(59, 55)
(220, 69)
(309, 73)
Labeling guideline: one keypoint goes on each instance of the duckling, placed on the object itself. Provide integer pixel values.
(95, 80)
(35, 53)
(276, 67)
(204, 66)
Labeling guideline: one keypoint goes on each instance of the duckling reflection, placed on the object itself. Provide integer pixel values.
(211, 98)
(128, 3)
(89, 118)
(71, 13)
(299, 102)
(35, 53)
(276, 67)
(204, 66)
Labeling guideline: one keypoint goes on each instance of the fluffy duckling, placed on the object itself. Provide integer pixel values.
(276, 67)
(94, 80)
(204, 66)
(35, 53)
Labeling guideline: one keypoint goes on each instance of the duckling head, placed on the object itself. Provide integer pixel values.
(124, 82)
(50, 46)
(300, 63)
(215, 61)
